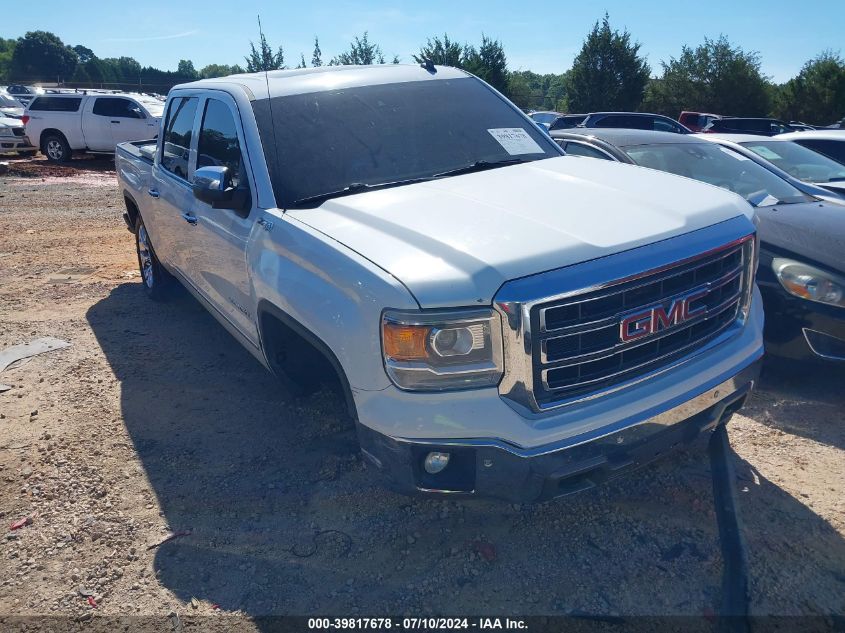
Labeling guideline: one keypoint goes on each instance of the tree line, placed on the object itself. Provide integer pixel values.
(609, 73)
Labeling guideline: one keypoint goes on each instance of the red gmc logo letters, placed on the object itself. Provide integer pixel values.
(653, 320)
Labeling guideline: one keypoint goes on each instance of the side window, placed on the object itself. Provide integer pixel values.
(55, 104)
(831, 149)
(176, 148)
(664, 126)
(117, 107)
(579, 149)
(218, 141)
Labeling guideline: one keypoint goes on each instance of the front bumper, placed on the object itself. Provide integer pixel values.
(802, 330)
(497, 469)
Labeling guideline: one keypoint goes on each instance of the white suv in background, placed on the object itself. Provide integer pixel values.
(60, 124)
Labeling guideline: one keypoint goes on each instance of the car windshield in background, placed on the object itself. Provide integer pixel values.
(8, 102)
(330, 143)
(153, 106)
(798, 161)
(718, 166)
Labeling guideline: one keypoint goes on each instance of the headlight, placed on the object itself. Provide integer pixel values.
(438, 351)
(6, 131)
(809, 282)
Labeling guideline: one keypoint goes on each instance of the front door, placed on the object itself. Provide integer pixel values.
(125, 119)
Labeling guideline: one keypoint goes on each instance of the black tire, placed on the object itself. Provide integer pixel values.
(54, 146)
(155, 279)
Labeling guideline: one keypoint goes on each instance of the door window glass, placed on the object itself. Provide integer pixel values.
(177, 135)
(218, 140)
(117, 107)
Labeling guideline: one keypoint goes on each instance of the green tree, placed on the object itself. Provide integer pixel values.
(263, 58)
(714, 77)
(816, 94)
(443, 52)
(42, 56)
(84, 53)
(7, 48)
(301, 63)
(123, 69)
(186, 70)
(608, 73)
(395, 60)
(219, 70)
(317, 55)
(362, 52)
(487, 62)
(519, 91)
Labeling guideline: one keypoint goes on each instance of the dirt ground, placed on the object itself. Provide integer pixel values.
(156, 422)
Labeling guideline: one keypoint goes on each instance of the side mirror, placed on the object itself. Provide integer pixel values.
(213, 185)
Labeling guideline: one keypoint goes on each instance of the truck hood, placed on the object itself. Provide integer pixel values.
(455, 241)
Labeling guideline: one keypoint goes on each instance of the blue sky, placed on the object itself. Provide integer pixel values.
(541, 35)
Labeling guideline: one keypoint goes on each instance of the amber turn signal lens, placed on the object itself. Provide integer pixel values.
(405, 342)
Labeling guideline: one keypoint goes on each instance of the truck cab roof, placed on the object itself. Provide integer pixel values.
(280, 83)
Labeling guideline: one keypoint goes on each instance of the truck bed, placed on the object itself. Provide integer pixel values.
(143, 150)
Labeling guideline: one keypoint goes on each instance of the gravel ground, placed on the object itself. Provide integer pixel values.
(156, 422)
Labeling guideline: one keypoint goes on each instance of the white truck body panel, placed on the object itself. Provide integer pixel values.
(463, 237)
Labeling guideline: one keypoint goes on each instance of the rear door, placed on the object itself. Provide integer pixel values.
(96, 126)
(172, 223)
(217, 258)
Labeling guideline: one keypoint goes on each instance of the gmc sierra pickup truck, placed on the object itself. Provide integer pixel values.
(504, 320)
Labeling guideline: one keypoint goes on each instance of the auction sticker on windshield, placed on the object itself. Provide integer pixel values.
(515, 140)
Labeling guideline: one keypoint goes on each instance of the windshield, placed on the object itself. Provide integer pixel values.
(323, 142)
(8, 102)
(153, 106)
(798, 161)
(718, 166)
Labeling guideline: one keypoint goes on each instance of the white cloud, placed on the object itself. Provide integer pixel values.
(152, 38)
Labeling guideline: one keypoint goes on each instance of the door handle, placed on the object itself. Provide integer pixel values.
(118, 122)
(190, 219)
(153, 193)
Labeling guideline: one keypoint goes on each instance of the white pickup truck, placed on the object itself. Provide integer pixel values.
(62, 123)
(503, 320)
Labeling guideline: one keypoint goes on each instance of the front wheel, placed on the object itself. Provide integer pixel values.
(55, 148)
(156, 280)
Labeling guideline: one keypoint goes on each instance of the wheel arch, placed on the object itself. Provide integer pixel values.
(271, 316)
(47, 132)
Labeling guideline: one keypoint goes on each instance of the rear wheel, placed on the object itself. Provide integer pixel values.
(54, 146)
(155, 279)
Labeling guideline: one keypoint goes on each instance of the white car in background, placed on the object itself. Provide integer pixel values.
(13, 138)
(60, 124)
(831, 143)
(9, 106)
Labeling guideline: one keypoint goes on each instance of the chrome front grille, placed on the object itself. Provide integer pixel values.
(582, 331)
(579, 345)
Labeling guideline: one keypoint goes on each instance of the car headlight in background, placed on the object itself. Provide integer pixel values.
(809, 282)
(6, 131)
(438, 351)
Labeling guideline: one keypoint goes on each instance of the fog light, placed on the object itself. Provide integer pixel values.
(435, 462)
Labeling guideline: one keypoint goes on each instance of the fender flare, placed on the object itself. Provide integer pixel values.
(265, 308)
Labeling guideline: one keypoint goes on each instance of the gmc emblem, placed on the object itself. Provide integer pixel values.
(653, 320)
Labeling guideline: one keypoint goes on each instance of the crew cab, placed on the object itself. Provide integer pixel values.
(503, 320)
(63, 123)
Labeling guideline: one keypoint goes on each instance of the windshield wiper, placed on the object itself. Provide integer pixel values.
(352, 188)
(481, 165)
